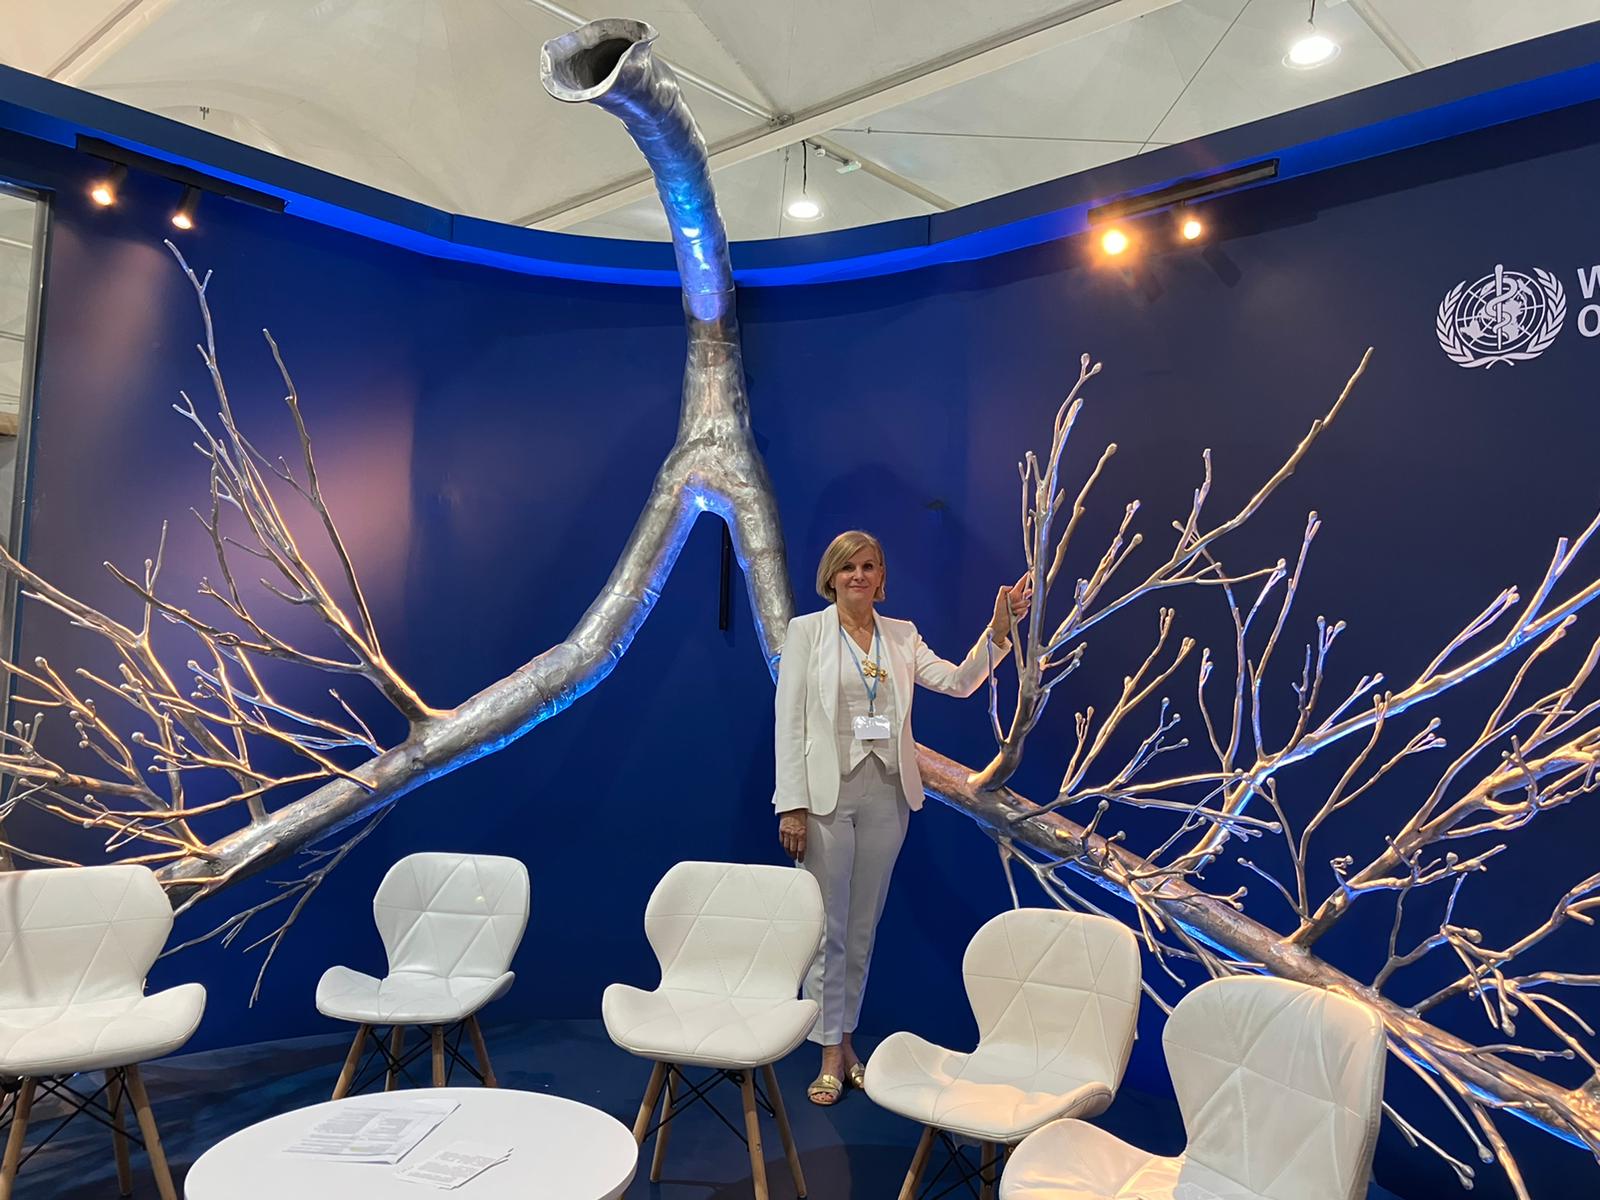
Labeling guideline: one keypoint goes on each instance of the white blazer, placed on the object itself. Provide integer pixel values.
(808, 698)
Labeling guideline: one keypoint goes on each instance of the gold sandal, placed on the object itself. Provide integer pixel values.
(856, 1076)
(825, 1086)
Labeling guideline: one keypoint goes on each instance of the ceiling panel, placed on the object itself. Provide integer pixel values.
(38, 36)
(440, 101)
(1243, 77)
(806, 51)
(1439, 34)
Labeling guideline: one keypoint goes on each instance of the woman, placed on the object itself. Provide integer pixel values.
(847, 778)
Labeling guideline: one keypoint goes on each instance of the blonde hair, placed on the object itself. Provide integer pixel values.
(840, 551)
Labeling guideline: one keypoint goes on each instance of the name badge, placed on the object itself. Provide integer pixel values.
(871, 729)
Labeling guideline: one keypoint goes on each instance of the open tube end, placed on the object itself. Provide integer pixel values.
(582, 65)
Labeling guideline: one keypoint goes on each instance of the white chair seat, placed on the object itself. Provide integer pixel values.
(98, 1034)
(406, 997)
(1073, 1161)
(987, 1095)
(1281, 1089)
(704, 1028)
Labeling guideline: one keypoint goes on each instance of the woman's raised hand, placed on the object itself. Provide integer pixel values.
(792, 833)
(1011, 605)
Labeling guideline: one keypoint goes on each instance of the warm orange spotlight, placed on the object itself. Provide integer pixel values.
(1191, 228)
(104, 190)
(183, 217)
(1113, 241)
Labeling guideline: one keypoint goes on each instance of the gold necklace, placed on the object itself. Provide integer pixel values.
(868, 668)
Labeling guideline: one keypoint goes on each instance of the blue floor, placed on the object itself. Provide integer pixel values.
(853, 1150)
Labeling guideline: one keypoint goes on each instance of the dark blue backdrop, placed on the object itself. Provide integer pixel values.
(488, 438)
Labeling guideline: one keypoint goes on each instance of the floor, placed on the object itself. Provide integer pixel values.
(854, 1151)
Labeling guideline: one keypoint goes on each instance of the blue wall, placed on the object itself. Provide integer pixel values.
(488, 439)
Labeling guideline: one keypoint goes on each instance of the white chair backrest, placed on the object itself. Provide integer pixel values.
(454, 915)
(1062, 986)
(1281, 1087)
(78, 934)
(735, 930)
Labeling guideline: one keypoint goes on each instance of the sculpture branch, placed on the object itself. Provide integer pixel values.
(1190, 561)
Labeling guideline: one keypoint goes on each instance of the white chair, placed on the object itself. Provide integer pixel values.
(1281, 1088)
(1056, 997)
(733, 942)
(450, 924)
(75, 945)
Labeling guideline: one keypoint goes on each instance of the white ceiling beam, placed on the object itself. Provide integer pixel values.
(1068, 24)
(1387, 34)
(125, 23)
(871, 166)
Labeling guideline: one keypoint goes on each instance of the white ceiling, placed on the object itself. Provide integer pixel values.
(440, 101)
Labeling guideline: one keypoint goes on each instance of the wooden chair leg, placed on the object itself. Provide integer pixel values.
(19, 1132)
(919, 1163)
(669, 1102)
(482, 1051)
(752, 1130)
(991, 1172)
(347, 1076)
(397, 1043)
(784, 1131)
(437, 1033)
(152, 1138)
(652, 1093)
(119, 1139)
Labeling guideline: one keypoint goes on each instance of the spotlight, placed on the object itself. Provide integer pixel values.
(1313, 50)
(183, 217)
(1113, 241)
(804, 209)
(1190, 227)
(104, 190)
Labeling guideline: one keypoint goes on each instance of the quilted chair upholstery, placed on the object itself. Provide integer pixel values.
(450, 924)
(1056, 997)
(1281, 1088)
(75, 946)
(733, 942)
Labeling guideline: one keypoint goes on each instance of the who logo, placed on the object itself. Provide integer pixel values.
(1506, 317)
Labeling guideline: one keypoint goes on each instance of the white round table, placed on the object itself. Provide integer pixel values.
(563, 1150)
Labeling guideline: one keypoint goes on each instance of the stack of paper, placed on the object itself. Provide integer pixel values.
(373, 1133)
(456, 1164)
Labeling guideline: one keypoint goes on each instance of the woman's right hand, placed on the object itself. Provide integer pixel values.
(792, 833)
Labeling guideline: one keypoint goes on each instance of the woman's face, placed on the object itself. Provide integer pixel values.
(860, 577)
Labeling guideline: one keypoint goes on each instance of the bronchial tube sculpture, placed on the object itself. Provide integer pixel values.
(610, 63)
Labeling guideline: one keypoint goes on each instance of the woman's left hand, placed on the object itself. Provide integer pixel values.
(1011, 605)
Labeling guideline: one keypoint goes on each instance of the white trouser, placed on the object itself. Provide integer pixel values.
(852, 852)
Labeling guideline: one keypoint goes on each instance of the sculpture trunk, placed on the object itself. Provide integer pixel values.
(713, 465)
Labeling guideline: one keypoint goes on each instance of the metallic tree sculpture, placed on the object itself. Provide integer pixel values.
(223, 712)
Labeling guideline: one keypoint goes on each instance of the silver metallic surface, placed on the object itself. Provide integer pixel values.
(713, 466)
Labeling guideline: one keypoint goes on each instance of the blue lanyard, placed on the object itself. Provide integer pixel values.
(877, 645)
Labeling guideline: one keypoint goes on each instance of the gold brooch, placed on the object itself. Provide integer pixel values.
(872, 670)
